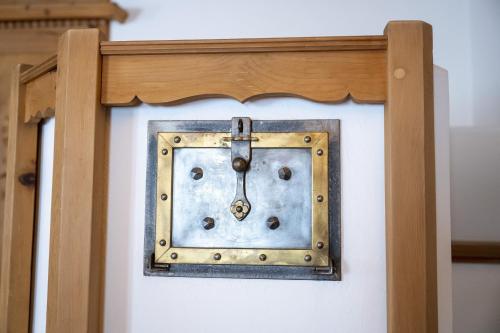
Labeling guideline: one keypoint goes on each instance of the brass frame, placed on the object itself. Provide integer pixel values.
(250, 256)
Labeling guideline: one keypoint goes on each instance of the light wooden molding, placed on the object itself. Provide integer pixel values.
(34, 72)
(40, 98)
(178, 71)
(64, 11)
(475, 252)
(248, 45)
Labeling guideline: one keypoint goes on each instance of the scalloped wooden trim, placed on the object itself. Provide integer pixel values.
(40, 98)
(321, 76)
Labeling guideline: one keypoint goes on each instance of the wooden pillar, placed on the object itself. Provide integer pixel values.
(18, 224)
(79, 188)
(410, 179)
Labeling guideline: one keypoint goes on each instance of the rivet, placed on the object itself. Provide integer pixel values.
(399, 73)
(307, 139)
(177, 139)
(262, 257)
(273, 222)
(164, 197)
(319, 198)
(208, 223)
(164, 151)
(173, 255)
(319, 152)
(217, 256)
(239, 164)
(163, 242)
(196, 173)
(320, 245)
(239, 209)
(285, 173)
(307, 257)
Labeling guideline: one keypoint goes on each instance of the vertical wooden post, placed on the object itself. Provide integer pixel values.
(19, 214)
(79, 188)
(410, 179)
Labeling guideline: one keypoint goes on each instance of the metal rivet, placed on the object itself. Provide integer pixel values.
(273, 222)
(173, 255)
(177, 139)
(307, 257)
(320, 245)
(285, 173)
(208, 223)
(196, 173)
(307, 139)
(164, 151)
(239, 209)
(319, 152)
(319, 198)
(164, 197)
(217, 256)
(262, 257)
(163, 242)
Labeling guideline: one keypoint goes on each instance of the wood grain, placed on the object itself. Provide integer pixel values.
(18, 222)
(48, 11)
(79, 189)
(410, 180)
(475, 252)
(40, 98)
(322, 76)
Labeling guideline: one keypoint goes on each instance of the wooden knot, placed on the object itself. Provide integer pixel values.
(399, 73)
(27, 179)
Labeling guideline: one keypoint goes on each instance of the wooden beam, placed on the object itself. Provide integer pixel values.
(19, 12)
(79, 189)
(410, 179)
(475, 252)
(19, 215)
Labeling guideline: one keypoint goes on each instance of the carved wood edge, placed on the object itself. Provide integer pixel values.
(26, 12)
(40, 98)
(475, 252)
(291, 44)
(36, 71)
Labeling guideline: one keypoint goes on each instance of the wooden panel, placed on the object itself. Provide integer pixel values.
(323, 76)
(79, 189)
(475, 252)
(410, 180)
(19, 215)
(40, 98)
(37, 11)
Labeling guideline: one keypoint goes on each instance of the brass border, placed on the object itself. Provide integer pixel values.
(315, 256)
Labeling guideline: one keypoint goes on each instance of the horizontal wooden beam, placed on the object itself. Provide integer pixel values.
(246, 45)
(34, 72)
(475, 252)
(20, 12)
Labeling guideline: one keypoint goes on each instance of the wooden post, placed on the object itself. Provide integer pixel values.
(79, 188)
(19, 214)
(410, 179)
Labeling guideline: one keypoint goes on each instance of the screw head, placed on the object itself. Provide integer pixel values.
(319, 152)
(217, 256)
(208, 223)
(177, 139)
(320, 198)
(239, 164)
(163, 242)
(273, 222)
(196, 173)
(320, 245)
(164, 197)
(262, 257)
(173, 255)
(307, 257)
(164, 151)
(307, 139)
(285, 173)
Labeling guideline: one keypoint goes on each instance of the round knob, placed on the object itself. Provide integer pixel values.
(239, 164)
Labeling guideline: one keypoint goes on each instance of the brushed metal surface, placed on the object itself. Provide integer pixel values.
(211, 196)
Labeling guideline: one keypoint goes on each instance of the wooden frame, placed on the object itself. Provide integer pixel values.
(395, 69)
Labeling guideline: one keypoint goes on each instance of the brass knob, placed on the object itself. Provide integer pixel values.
(239, 164)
